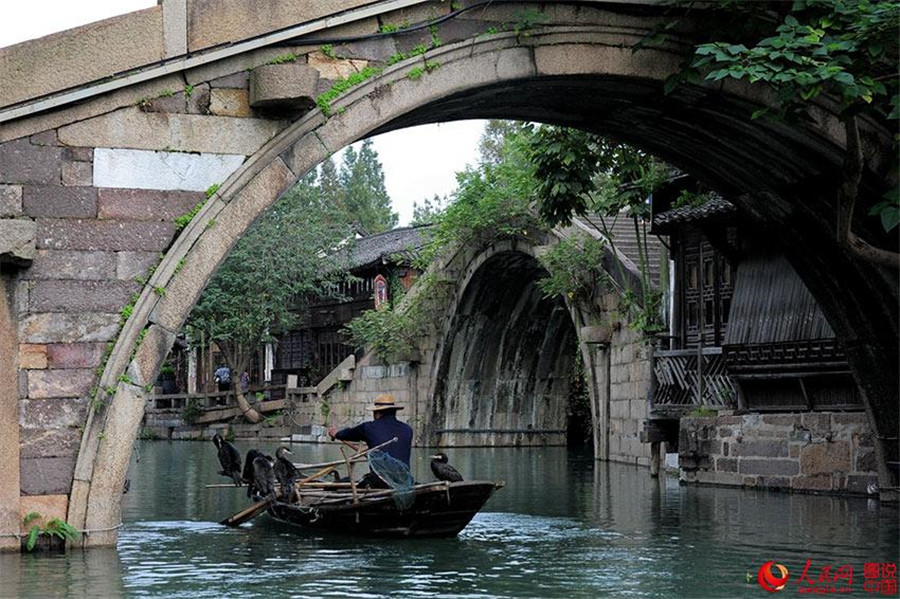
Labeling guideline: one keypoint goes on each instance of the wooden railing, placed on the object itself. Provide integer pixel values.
(217, 406)
(688, 377)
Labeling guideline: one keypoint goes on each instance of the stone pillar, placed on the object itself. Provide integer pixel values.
(9, 419)
(192, 371)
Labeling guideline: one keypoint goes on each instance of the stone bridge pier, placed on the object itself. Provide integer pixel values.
(210, 111)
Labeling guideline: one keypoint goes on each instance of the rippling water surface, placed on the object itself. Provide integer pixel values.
(564, 526)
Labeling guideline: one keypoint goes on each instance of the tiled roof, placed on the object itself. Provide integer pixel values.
(404, 241)
(714, 207)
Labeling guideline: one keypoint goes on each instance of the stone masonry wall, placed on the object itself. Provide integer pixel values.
(825, 452)
(629, 382)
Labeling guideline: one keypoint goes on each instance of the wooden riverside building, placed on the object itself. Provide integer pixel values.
(745, 332)
(318, 345)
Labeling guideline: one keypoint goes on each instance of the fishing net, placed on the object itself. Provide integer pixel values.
(397, 475)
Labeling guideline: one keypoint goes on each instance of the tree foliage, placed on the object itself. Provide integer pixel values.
(284, 258)
(364, 197)
(428, 212)
(847, 49)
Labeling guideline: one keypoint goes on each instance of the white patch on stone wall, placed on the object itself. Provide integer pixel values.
(144, 169)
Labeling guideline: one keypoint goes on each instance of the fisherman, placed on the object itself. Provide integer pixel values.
(384, 426)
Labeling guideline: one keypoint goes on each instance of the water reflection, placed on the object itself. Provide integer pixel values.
(562, 527)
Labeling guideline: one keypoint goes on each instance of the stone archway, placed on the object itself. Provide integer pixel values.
(580, 76)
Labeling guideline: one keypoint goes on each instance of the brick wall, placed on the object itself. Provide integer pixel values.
(826, 452)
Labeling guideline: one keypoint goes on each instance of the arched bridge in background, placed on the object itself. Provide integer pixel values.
(112, 130)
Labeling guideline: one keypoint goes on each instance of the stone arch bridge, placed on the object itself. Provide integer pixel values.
(110, 131)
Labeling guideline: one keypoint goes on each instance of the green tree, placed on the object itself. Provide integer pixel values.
(331, 189)
(366, 199)
(428, 212)
(272, 270)
(846, 49)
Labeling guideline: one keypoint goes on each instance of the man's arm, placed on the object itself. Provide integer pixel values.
(355, 433)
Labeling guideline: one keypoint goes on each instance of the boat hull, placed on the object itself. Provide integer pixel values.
(438, 511)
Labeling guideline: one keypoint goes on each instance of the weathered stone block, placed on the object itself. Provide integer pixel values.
(328, 68)
(52, 415)
(773, 449)
(825, 458)
(75, 355)
(816, 422)
(69, 382)
(91, 235)
(46, 476)
(48, 506)
(134, 129)
(73, 154)
(134, 264)
(774, 482)
(45, 138)
(17, 240)
(290, 85)
(60, 202)
(235, 81)
(10, 201)
(53, 264)
(77, 173)
(82, 296)
(32, 356)
(727, 464)
(174, 103)
(21, 162)
(198, 100)
(139, 169)
(146, 204)
(818, 482)
(230, 102)
(780, 419)
(846, 418)
(771, 466)
(68, 328)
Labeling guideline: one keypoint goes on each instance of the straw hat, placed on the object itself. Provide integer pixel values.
(385, 402)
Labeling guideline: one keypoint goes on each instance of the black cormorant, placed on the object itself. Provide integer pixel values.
(247, 474)
(444, 471)
(229, 458)
(263, 477)
(285, 472)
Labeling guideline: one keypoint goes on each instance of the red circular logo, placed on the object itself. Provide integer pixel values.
(769, 580)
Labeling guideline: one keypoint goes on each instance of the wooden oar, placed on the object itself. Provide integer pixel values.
(248, 513)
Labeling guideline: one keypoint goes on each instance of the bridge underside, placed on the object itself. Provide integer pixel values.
(506, 373)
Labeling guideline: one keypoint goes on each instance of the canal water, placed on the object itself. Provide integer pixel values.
(563, 526)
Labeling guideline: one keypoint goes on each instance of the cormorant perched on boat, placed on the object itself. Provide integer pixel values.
(247, 474)
(229, 458)
(444, 471)
(285, 472)
(263, 477)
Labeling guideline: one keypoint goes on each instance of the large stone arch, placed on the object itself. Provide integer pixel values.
(585, 76)
(502, 357)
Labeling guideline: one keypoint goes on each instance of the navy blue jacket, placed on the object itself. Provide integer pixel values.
(376, 432)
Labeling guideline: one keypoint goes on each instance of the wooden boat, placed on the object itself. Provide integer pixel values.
(439, 509)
